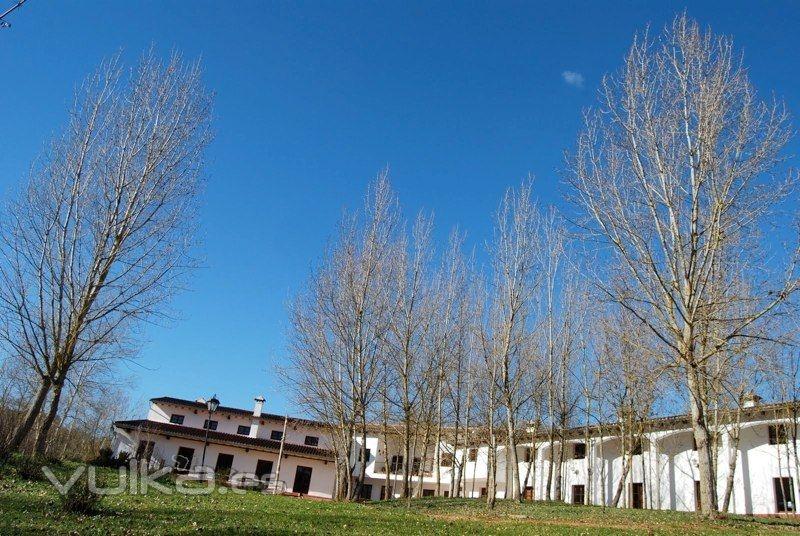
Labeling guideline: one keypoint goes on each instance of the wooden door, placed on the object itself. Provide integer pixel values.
(637, 495)
(302, 480)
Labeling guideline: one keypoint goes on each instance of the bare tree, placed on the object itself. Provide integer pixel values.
(675, 168)
(515, 276)
(101, 235)
(340, 325)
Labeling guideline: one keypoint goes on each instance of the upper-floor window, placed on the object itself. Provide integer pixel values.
(243, 430)
(210, 425)
(276, 435)
(311, 441)
(367, 454)
(777, 434)
(579, 451)
(176, 419)
(472, 455)
(527, 454)
(397, 464)
(446, 459)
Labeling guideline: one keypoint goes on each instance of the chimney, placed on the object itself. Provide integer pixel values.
(750, 400)
(259, 406)
(256, 416)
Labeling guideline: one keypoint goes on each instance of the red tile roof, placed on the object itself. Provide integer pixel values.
(270, 445)
(237, 411)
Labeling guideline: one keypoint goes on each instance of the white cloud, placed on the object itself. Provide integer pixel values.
(573, 78)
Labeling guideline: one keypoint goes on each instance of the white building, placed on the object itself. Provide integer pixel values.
(663, 473)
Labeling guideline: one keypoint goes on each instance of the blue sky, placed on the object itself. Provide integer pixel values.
(461, 100)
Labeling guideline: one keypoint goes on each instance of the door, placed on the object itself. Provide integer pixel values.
(183, 460)
(224, 463)
(637, 495)
(578, 494)
(784, 494)
(302, 480)
(264, 470)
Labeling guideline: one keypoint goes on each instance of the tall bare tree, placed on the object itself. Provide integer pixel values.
(676, 167)
(340, 325)
(101, 235)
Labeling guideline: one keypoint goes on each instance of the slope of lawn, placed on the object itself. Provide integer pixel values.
(34, 507)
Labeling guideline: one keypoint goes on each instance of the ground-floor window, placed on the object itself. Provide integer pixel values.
(384, 496)
(224, 463)
(578, 494)
(483, 493)
(183, 460)
(447, 493)
(145, 450)
(428, 493)
(527, 495)
(264, 470)
(784, 494)
(366, 492)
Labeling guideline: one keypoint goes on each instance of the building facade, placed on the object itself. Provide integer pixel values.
(662, 469)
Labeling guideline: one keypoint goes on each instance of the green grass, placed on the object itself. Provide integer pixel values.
(34, 507)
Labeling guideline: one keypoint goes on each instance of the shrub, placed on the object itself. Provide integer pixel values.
(105, 458)
(27, 467)
(79, 499)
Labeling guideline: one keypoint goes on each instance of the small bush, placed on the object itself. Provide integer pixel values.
(27, 467)
(79, 499)
(105, 458)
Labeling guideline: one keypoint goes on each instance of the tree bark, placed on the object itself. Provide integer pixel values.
(33, 412)
(44, 430)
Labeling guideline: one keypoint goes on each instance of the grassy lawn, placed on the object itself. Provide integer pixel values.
(33, 507)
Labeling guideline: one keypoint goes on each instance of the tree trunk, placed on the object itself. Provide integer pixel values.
(733, 449)
(708, 496)
(44, 430)
(512, 458)
(34, 409)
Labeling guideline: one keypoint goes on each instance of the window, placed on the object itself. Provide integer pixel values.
(397, 464)
(784, 494)
(264, 470)
(427, 493)
(777, 434)
(415, 465)
(176, 419)
(483, 493)
(145, 450)
(183, 460)
(276, 435)
(368, 453)
(446, 493)
(527, 454)
(472, 455)
(366, 492)
(578, 494)
(579, 451)
(312, 441)
(446, 459)
(210, 425)
(243, 430)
